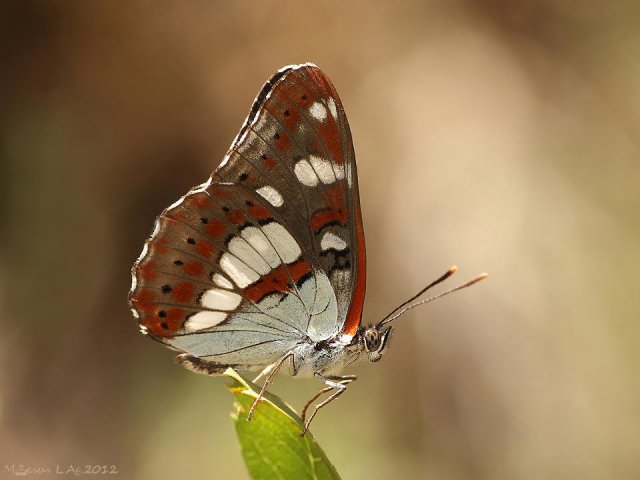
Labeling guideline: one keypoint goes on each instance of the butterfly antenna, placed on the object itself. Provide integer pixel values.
(408, 305)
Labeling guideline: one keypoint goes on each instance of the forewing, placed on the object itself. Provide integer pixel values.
(270, 250)
(295, 148)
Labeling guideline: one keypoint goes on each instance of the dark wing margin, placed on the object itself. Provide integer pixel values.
(259, 100)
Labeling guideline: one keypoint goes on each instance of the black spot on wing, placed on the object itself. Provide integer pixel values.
(304, 278)
(265, 221)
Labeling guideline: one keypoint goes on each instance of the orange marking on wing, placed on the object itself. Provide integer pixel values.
(258, 211)
(204, 248)
(277, 280)
(199, 200)
(292, 120)
(269, 163)
(172, 321)
(235, 216)
(159, 245)
(147, 271)
(214, 228)
(330, 134)
(193, 268)
(182, 292)
(336, 213)
(144, 300)
(283, 142)
(326, 216)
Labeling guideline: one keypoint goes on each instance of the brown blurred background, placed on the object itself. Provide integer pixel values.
(495, 135)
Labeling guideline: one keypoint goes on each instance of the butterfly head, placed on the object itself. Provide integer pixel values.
(375, 339)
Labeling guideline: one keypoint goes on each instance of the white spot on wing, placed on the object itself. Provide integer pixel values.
(271, 195)
(330, 240)
(332, 108)
(283, 242)
(323, 169)
(220, 281)
(242, 275)
(305, 173)
(202, 320)
(318, 111)
(339, 171)
(260, 242)
(217, 299)
(243, 250)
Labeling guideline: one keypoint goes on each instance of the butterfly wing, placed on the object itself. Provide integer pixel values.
(270, 250)
(297, 144)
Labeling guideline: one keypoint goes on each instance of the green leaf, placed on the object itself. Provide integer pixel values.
(271, 443)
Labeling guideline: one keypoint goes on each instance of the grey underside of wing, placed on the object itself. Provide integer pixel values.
(235, 347)
(259, 338)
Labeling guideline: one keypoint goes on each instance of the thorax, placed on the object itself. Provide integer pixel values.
(326, 356)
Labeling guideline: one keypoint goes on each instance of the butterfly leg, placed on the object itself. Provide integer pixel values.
(272, 373)
(337, 383)
(264, 372)
(343, 379)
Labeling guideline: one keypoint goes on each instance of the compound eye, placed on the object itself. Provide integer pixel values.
(371, 340)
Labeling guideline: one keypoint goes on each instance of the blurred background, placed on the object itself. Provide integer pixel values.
(501, 136)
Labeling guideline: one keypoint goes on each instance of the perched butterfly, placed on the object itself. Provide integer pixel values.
(264, 264)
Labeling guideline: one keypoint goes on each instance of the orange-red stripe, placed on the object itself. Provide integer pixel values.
(278, 280)
(354, 316)
(324, 217)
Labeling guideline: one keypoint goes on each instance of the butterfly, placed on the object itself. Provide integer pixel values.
(263, 266)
